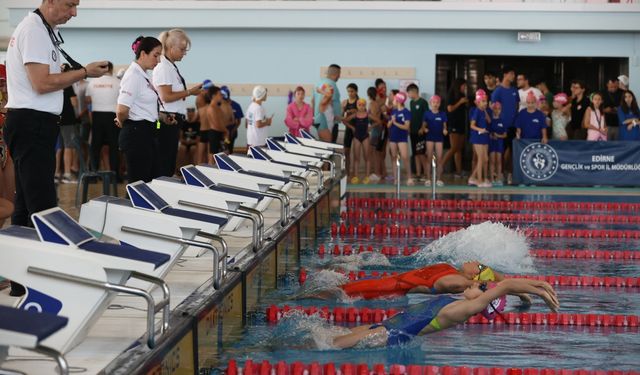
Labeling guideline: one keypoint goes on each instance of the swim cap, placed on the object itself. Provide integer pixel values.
(206, 84)
(259, 92)
(486, 274)
(561, 98)
(120, 73)
(362, 100)
(480, 95)
(624, 80)
(435, 98)
(226, 94)
(400, 97)
(494, 307)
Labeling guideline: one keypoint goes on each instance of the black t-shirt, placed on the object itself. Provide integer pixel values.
(68, 115)
(577, 112)
(190, 130)
(458, 118)
(612, 99)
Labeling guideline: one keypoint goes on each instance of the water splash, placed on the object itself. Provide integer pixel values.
(297, 329)
(324, 284)
(358, 261)
(494, 244)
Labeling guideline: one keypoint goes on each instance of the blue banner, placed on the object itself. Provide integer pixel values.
(576, 163)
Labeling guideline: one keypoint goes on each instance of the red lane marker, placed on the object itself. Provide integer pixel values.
(430, 216)
(331, 368)
(538, 253)
(367, 315)
(389, 203)
(417, 231)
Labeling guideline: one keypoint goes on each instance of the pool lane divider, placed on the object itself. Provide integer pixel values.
(391, 203)
(538, 253)
(366, 315)
(331, 368)
(423, 216)
(417, 231)
(555, 280)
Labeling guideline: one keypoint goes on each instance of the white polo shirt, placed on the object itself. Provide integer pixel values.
(104, 93)
(137, 93)
(165, 74)
(30, 43)
(523, 96)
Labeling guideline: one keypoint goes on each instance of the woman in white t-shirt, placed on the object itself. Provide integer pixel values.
(173, 91)
(256, 119)
(137, 111)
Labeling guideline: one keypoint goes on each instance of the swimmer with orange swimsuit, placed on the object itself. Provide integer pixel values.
(433, 279)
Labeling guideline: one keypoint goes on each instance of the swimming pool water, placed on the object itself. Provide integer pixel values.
(503, 345)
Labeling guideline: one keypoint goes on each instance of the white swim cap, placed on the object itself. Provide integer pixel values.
(259, 92)
(120, 73)
(624, 80)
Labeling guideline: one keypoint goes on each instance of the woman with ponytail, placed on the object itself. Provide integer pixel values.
(138, 110)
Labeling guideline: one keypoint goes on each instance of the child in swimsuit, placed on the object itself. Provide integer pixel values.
(444, 312)
(360, 128)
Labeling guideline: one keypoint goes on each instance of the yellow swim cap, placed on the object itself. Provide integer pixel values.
(486, 275)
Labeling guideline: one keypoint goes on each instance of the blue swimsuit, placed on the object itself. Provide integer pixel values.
(408, 324)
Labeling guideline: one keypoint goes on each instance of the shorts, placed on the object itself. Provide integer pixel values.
(68, 135)
(204, 136)
(455, 129)
(511, 134)
(415, 138)
(348, 138)
(435, 137)
(496, 145)
(382, 140)
(216, 141)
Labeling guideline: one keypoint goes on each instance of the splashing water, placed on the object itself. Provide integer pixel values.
(493, 244)
(297, 329)
(358, 261)
(323, 284)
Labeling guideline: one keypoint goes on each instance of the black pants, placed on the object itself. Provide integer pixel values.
(233, 134)
(335, 130)
(104, 132)
(167, 138)
(31, 136)
(137, 141)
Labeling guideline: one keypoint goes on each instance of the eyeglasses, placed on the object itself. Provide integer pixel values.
(481, 267)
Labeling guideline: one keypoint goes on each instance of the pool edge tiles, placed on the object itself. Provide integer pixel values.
(202, 323)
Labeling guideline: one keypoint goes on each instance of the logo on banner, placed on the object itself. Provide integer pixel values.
(539, 161)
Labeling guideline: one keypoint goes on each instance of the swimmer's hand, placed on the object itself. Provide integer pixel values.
(548, 294)
(525, 299)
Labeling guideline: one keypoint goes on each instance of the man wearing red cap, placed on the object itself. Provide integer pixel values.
(35, 85)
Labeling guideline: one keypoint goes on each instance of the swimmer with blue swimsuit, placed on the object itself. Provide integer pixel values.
(444, 312)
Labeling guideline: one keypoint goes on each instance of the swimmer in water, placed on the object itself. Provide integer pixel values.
(444, 312)
(433, 279)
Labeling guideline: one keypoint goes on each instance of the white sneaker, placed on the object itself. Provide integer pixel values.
(68, 179)
(440, 183)
(374, 177)
(427, 183)
(485, 184)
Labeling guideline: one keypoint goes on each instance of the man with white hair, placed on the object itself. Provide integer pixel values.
(35, 84)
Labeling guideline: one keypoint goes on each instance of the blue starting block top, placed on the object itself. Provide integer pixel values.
(40, 325)
(306, 134)
(57, 226)
(142, 196)
(224, 162)
(193, 177)
(291, 139)
(259, 154)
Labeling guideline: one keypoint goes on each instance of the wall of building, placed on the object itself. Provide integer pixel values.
(288, 46)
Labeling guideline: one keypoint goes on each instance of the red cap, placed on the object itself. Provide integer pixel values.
(3, 72)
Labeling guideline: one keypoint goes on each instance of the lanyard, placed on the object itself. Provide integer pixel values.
(184, 83)
(57, 41)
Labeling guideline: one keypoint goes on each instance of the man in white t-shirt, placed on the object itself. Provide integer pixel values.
(102, 94)
(257, 121)
(35, 85)
(524, 88)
